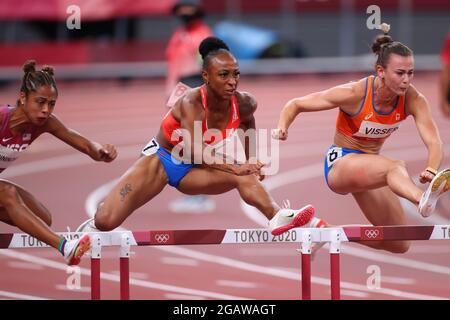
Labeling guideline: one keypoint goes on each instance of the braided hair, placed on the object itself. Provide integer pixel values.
(34, 79)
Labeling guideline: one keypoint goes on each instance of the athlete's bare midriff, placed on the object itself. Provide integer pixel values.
(370, 146)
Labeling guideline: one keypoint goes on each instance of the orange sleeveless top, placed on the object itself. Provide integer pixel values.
(170, 126)
(369, 123)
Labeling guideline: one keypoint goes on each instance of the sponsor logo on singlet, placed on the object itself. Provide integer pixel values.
(370, 129)
(368, 116)
(17, 147)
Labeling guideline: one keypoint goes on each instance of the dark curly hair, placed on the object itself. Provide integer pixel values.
(211, 47)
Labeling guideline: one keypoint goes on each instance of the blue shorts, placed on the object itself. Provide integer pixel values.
(335, 153)
(175, 169)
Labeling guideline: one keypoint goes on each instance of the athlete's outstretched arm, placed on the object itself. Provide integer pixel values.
(342, 96)
(419, 108)
(96, 151)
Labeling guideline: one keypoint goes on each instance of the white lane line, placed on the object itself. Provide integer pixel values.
(398, 280)
(355, 294)
(115, 278)
(63, 287)
(135, 275)
(24, 265)
(49, 144)
(179, 261)
(264, 252)
(19, 296)
(237, 284)
(173, 296)
(64, 162)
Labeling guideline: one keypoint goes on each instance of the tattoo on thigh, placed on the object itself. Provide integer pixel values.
(125, 191)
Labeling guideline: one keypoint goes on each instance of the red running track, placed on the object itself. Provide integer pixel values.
(128, 115)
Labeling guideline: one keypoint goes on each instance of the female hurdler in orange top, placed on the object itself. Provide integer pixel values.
(370, 110)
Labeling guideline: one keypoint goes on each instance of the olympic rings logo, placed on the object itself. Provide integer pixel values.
(162, 237)
(372, 233)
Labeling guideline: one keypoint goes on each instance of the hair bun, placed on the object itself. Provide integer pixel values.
(379, 42)
(29, 66)
(211, 44)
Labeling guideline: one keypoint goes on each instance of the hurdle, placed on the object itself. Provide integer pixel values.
(305, 237)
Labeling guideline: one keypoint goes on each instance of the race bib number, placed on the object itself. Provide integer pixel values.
(150, 148)
(333, 155)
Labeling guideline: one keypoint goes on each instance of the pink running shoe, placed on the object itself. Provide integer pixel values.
(286, 219)
(75, 249)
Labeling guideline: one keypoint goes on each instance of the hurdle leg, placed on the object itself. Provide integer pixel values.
(125, 267)
(335, 248)
(95, 267)
(306, 264)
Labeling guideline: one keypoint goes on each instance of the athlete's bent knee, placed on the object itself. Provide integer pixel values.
(9, 195)
(246, 181)
(104, 220)
(398, 164)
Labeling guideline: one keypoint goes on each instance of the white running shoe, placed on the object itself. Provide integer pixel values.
(193, 204)
(75, 249)
(438, 186)
(87, 226)
(286, 219)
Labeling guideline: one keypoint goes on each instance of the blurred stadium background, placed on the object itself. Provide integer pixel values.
(128, 38)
